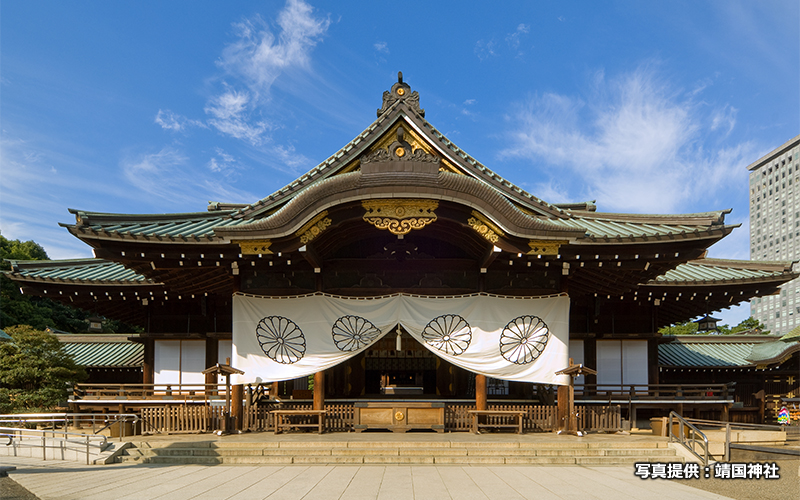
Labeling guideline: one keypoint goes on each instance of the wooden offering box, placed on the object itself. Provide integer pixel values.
(399, 416)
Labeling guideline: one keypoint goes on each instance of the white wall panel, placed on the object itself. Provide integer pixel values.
(634, 362)
(167, 362)
(609, 362)
(193, 361)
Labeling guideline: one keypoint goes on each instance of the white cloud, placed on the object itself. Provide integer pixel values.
(287, 156)
(513, 38)
(551, 192)
(223, 163)
(484, 49)
(382, 47)
(232, 116)
(177, 123)
(724, 118)
(634, 145)
(259, 56)
(169, 176)
(256, 59)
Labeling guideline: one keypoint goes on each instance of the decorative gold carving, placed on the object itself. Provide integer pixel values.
(544, 247)
(411, 137)
(484, 227)
(400, 216)
(400, 152)
(254, 247)
(399, 416)
(401, 91)
(314, 227)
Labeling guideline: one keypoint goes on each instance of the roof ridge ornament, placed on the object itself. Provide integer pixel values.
(400, 150)
(401, 92)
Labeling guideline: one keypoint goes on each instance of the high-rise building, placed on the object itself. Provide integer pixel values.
(775, 229)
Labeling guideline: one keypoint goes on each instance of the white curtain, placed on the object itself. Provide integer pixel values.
(509, 338)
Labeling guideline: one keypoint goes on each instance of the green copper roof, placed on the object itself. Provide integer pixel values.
(96, 271)
(772, 352)
(701, 352)
(4, 335)
(158, 227)
(723, 271)
(76, 271)
(724, 351)
(792, 336)
(103, 350)
(649, 227)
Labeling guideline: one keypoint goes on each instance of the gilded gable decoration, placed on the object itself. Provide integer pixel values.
(314, 227)
(254, 247)
(484, 227)
(400, 216)
(544, 247)
(399, 150)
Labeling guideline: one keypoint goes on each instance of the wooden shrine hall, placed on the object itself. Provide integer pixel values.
(400, 214)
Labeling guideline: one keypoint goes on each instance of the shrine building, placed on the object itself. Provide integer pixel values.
(401, 266)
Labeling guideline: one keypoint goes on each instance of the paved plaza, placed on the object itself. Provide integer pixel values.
(69, 480)
(56, 479)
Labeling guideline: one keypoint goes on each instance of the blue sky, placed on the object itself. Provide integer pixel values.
(147, 107)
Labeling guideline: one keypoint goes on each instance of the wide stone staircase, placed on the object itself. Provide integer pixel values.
(398, 452)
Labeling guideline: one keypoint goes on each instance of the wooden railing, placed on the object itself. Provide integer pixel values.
(182, 419)
(179, 392)
(663, 392)
(188, 418)
(599, 418)
(537, 418)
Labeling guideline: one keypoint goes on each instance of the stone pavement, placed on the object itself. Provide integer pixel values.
(69, 480)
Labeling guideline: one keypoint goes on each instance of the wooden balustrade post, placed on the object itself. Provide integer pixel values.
(480, 392)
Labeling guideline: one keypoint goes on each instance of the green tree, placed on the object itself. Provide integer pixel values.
(687, 328)
(690, 328)
(34, 371)
(750, 324)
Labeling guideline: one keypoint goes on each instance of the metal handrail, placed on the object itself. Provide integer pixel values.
(104, 420)
(64, 439)
(690, 441)
(735, 426)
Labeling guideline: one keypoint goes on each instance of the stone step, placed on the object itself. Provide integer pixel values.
(217, 445)
(402, 460)
(483, 451)
(406, 452)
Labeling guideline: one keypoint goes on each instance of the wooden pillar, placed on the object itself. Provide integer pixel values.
(480, 392)
(319, 390)
(237, 395)
(652, 361)
(274, 390)
(148, 371)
